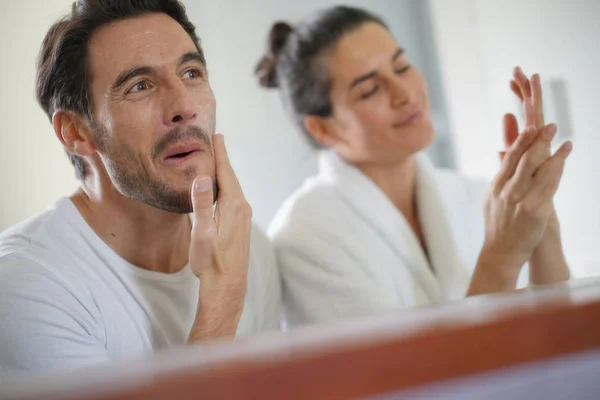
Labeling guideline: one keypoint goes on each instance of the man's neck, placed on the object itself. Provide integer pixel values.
(143, 235)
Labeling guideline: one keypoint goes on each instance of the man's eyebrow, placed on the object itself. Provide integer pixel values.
(129, 74)
(192, 56)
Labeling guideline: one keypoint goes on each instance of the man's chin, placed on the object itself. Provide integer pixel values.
(186, 188)
(176, 206)
(174, 202)
(174, 193)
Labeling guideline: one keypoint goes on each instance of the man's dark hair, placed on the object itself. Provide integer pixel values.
(62, 81)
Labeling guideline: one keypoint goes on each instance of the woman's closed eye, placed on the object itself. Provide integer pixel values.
(403, 69)
(370, 93)
(375, 88)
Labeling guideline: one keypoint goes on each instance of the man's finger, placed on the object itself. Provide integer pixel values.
(228, 182)
(203, 230)
(202, 200)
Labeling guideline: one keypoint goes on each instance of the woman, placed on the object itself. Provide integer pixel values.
(378, 228)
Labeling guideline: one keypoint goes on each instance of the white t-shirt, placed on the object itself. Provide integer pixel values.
(68, 300)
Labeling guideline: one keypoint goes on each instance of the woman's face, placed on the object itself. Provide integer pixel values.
(381, 112)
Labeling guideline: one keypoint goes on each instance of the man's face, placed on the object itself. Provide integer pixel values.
(153, 109)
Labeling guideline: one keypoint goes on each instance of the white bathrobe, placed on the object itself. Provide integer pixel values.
(345, 250)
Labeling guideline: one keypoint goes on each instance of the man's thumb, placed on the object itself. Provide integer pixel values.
(202, 197)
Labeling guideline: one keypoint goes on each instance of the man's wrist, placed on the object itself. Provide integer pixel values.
(217, 316)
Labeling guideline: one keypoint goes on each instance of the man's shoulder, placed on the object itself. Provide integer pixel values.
(26, 279)
(19, 266)
(34, 253)
(35, 231)
(53, 319)
(36, 268)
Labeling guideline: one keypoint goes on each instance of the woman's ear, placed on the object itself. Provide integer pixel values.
(320, 129)
(73, 133)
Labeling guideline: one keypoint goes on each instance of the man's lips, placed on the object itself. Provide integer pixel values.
(181, 153)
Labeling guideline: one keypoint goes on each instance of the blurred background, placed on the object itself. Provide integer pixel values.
(466, 49)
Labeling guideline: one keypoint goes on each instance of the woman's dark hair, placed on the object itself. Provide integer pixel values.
(294, 62)
(62, 81)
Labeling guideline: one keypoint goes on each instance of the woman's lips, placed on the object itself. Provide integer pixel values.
(412, 120)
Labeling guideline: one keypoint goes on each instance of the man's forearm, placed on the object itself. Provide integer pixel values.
(216, 320)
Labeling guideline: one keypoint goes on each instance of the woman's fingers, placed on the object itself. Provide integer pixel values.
(522, 82)
(547, 179)
(511, 159)
(511, 130)
(530, 162)
(514, 87)
(537, 102)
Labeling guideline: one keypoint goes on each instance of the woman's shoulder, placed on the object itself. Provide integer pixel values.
(315, 203)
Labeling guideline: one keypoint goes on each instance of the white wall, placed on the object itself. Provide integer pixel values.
(480, 42)
(33, 168)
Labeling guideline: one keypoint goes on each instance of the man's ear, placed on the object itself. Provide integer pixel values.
(73, 133)
(320, 128)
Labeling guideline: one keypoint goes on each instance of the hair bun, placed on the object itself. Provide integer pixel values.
(266, 69)
(280, 31)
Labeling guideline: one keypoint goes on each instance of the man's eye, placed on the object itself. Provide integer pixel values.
(193, 74)
(138, 87)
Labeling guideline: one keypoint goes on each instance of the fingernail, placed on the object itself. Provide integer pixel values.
(202, 185)
(550, 132)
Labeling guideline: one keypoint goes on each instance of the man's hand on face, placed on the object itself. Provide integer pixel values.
(219, 249)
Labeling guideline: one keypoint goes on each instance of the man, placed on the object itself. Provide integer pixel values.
(115, 269)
